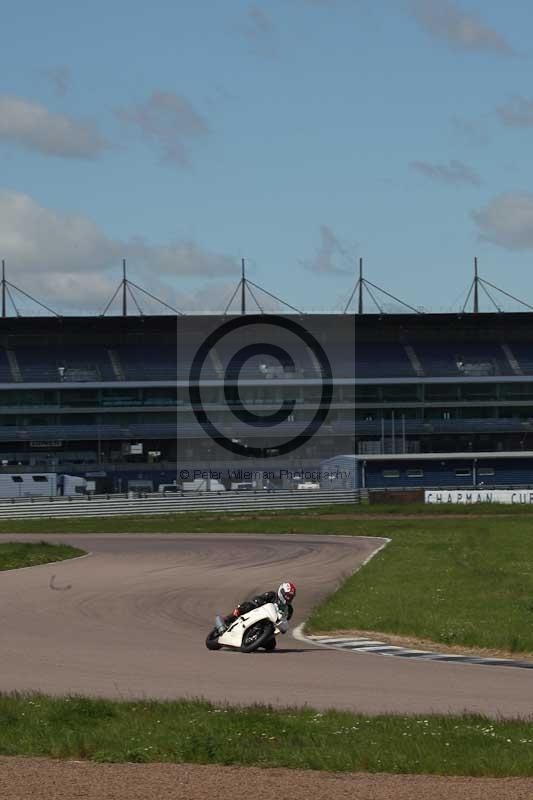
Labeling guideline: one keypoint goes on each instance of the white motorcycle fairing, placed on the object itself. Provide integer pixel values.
(233, 636)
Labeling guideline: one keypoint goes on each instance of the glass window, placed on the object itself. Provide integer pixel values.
(516, 391)
(368, 393)
(438, 392)
(479, 391)
(397, 393)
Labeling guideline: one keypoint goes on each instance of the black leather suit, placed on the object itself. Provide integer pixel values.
(256, 602)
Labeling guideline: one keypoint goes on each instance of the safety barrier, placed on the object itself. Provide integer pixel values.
(113, 505)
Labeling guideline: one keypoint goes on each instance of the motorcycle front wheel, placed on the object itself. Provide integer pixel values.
(256, 636)
(212, 640)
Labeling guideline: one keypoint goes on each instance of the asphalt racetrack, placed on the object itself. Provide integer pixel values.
(130, 620)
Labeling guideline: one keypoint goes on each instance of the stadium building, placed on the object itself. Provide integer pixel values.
(107, 398)
(416, 399)
(444, 399)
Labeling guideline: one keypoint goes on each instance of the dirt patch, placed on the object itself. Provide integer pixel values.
(42, 779)
(426, 644)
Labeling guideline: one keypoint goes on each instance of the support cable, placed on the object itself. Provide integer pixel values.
(468, 297)
(511, 296)
(131, 294)
(352, 297)
(33, 299)
(374, 300)
(278, 299)
(117, 290)
(396, 299)
(258, 304)
(17, 312)
(233, 296)
(494, 303)
(157, 299)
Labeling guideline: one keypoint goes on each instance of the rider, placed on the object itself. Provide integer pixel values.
(283, 598)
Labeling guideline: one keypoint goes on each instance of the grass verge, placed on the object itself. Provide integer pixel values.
(199, 732)
(464, 582)
(319, 519)
(14, 555)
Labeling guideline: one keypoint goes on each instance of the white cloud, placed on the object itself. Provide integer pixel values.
(507, 221)
(69, 260)
(184, 257)
(461, 30)
(328, 253)
(170, 121)
(455, 172)
(31, 126)
(517, 112)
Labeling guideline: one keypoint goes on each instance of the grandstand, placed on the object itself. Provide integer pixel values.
(444, 384)
(107, 398)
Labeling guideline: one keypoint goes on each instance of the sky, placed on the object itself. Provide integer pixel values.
(300, 135)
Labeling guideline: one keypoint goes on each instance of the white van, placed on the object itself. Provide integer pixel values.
(243, 486)
(203, 485)
(27, 484)
(168, 488)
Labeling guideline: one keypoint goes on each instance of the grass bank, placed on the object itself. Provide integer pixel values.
(198, 732)
(465, 582)
(197, 522)
(14, 555)
(319, 519)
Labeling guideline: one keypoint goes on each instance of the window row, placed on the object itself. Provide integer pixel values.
(460, 472)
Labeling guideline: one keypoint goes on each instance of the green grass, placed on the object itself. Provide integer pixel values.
(14, 555)
(180, 523)
(304, 520)
(300, 521)
(462, 582)
(198, 732)
(252, 522)
(443, 509)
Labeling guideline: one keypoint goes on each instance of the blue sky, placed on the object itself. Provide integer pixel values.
(300, 134)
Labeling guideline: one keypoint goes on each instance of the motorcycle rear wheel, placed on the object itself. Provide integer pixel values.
(270, 645)
(212, 640)
(254, 638)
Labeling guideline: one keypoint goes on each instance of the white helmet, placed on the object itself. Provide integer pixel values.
(286, 593)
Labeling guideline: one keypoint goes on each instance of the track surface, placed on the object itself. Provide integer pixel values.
(134, 621)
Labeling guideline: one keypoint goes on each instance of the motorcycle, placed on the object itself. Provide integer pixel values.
(252, 630)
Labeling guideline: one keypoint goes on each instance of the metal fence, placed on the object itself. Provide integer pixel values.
(113, 505)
